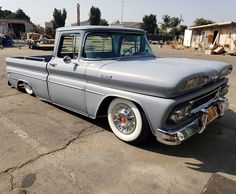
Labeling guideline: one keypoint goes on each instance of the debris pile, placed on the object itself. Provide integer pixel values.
(39, 41)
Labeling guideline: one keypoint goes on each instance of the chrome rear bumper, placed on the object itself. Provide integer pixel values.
(175, 137)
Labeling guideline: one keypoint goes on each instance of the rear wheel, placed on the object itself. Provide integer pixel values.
(28, 89)
(127, 122)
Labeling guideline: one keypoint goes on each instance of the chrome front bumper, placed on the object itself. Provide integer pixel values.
(175, 137)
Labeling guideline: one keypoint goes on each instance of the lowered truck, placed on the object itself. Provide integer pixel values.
(110, 71)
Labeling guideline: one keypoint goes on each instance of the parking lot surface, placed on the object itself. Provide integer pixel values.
(47, 149)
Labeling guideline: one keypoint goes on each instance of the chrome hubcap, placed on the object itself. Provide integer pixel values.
(124, 119)
(27, 87)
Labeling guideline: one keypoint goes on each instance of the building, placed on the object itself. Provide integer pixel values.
(15, 27)
(208, 37)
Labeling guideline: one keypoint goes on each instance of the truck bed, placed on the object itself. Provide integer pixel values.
(30, 69)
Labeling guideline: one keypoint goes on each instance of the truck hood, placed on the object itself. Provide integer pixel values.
(159, 76)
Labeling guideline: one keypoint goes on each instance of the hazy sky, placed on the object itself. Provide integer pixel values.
(41, 10)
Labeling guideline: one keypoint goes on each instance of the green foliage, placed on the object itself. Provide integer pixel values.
(157, 30)
(202, 21)
(172, 27)
(103, 22)
(166, 24)
(182, 29)
(95, 16)
(175, 32)
(59, 18)
(149, 23)
(19, 14)
(175, 22)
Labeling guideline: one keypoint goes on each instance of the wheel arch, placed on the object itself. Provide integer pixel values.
(20, 83)
(105, 102)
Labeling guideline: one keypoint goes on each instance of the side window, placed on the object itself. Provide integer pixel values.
(98, 46)
(130, 45)
(69, 46)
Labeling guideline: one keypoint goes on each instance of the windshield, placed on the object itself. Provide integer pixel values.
(115, 45)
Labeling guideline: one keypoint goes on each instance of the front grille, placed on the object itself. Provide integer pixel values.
(203, 99)
(197, 103)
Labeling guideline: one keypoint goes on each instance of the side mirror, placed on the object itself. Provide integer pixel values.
(66, 59)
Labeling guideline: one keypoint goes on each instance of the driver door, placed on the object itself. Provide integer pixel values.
(66, 80)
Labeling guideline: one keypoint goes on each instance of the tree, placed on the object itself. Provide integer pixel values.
(202, 21)
(59, 18)
(20, 14)
(157, 30)
(175, 28)
(103, 22)
(182, 29)
(95, 16)
(149, 23)
(175, 22)
(166, 24)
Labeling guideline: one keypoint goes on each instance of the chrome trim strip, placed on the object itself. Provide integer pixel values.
(195, 110)
(29, 57)
(8, 73)
(206, 104)
(208, 94)
(93, 92)
(66, 85)
(178, 130)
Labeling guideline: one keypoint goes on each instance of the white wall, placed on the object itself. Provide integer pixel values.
(228, 37)
(187, 38)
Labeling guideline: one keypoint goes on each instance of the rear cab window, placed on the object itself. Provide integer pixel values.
(69, 46)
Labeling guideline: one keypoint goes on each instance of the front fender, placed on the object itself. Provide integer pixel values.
(155, 109)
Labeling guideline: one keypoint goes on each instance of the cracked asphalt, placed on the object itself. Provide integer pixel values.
(47, 149)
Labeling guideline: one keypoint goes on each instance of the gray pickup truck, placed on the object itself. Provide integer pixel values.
(109, 71)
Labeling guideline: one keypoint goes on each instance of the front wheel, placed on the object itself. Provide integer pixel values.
(127, 122)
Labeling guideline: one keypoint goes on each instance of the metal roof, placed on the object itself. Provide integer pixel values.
(13, 20)
(212, 25)
(100, 28)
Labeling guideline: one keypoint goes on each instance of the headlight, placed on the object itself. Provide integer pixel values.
(181, 114)
(194, 82)
(224, 90)
(226, 71)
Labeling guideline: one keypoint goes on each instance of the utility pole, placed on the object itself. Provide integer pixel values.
(180, 19)
(78, 14)
(122, 12)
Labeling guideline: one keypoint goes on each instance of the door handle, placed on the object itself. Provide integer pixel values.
(76, 66)
(53, 64)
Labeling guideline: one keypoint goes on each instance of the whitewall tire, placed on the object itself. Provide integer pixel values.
(28, 89)
(126, 121)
